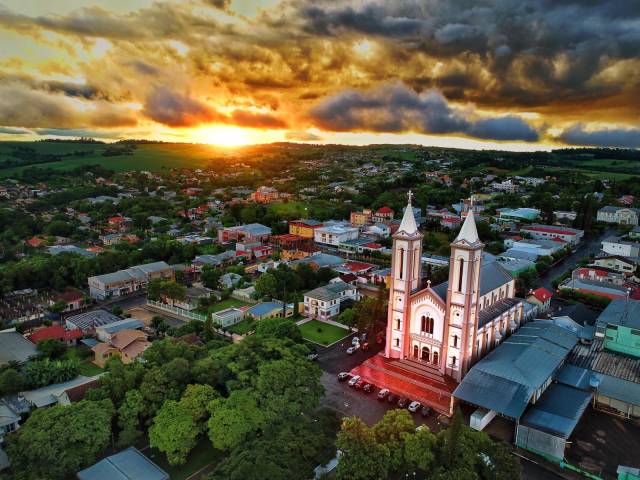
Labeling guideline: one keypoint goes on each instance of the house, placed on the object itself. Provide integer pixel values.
(542, 248)
(221, 259)
(267, 195)
(35, 242)
(598, 289)
(378, 230)
(450, 222)
(59, 393)
(57, 332)
(564, 215)
(127, 344)
(618, 246)
(617, 263)
(89, 321)
(517, 214)
(245, 294)
(104, 333)
(599, 274)
(334, 235)
(14, 348)
(130, 280)
(119, 223)
(321, 260)
(290, 241)
(230, 280)
(619, 215)
(250, 232)
(73, 299)
(270, 309)
(128, 464)
(12, 407)
(540, 297)
(58, 249)
(192, 298)
(634, 234)
(227, 317)
(570, 235)
(115, 238)
(324, 302)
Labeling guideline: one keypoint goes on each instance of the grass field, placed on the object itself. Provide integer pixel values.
(228, 303)
(201, 456)
(322, 333)
(242, 327)
(152, 157)
(85, 368)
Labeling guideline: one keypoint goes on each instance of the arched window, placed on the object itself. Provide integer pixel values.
(454, 360)
(416, 351)
(455, 341)
(423, 324)
(430, 325)
(460, 274)
(401, 263)
(398, 324)
(425, 354)
(397, 342)
(435, 359)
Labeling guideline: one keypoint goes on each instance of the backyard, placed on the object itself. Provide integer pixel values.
(242, 327)
(322, 333)
(84, 358)
(202, 456)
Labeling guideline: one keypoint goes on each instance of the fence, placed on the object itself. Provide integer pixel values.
(178, 311)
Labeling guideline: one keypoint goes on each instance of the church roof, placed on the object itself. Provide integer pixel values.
(468, 232)
(492, 276)
(408, 226)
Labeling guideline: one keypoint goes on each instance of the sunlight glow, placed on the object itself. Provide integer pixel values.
(223, 135)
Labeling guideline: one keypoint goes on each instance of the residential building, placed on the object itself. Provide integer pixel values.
(73, 299)
(270, 309)
(621, 247)
(590, 287)
(130, 280)
(565, 215)
(58, 249)
(368, 216)
(324, 302)
(570, 235)
(127, 344)
(192, 298)
(115, 238)
(227, 317)
(11, 410)
(540, 247)
(89, 321)
(618, 263)
(14, 348)
(599, 274)
(129, 464)
(60, 393)
(634, 234)
(304, 228)
(230, 280)
(541, 297)
(250, 232)
(56, 332)
(105, 333)
(335, 235)
(219, 260)
(619, 215)
(267, 195)
(518, 214)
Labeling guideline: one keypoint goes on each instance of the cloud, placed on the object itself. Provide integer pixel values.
(302, 137)
(396, 108)
(22, 107)
(220, 4)
(174, 109)
(608, 137)
(78, 132)
(245, 118)
(14, 131)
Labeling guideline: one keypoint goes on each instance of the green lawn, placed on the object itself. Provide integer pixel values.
(242, 327)
(202, 455)
(322, 333)
(89, 369)
(85, 358)
(228, 303)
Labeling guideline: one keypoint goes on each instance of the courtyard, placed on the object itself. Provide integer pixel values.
(322, 333)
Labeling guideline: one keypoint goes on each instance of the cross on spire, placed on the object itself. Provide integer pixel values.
(409, 196)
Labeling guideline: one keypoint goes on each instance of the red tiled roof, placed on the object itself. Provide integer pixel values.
(557, 240)
(357, 266)
(35, 241)
(384, 210)
(542, 294)
(372, 245)
(55, 332)
(70, 296)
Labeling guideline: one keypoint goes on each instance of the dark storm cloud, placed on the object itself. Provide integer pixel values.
(611, 137)
(177, 110)
(303, 137)
(221, 4)
(396, 109)
(77, 132)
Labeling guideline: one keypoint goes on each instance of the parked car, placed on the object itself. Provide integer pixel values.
(392, 398)
(402, 402)
(382, 394)
(425, 411)
(342, 376)
(365, 346)
(351, 350)
(312, 356)
(359, 384)
(414, 406)
(368, 388)
(354, 380)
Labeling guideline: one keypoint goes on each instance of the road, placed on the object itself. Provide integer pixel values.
(587, 248)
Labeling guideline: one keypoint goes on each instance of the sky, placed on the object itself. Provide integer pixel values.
(507, 74)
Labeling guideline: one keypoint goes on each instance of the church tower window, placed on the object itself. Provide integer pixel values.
(461, 262)
(401, 263)
(455, 341)
(435, 359)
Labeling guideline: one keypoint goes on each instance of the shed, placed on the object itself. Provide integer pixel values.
(128, 464)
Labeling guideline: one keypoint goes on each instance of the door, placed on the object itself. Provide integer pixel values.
(425, 354)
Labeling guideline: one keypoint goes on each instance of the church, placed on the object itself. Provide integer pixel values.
(435, 334)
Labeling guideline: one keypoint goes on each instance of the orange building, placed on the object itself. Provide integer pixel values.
(304, 228)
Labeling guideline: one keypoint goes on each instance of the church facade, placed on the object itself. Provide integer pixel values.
(448, 327)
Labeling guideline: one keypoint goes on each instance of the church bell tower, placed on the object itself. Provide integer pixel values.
(405, 279)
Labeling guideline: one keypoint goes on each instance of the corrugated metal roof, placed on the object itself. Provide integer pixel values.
(95, 318)
(558, 411)
(507, 377)
(621, 312)
(619, 389)
(574, 376)
(492, 276)
(129, 464)
(15, 348)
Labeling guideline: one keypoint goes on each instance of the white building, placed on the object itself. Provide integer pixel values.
(624, 248)
(335, 235)
(124, 282)
(619, 215)
(569, 235)
(324, 302)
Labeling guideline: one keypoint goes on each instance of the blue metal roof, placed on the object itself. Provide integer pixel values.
(115, 327)
(619, 389)
(575, 376)
(264, 308)
(129, 464)
(506, 379)
(558, 411)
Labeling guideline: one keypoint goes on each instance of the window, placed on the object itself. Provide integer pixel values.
(397, 342)
(416, 350)
(401, 263)
(398, 324)
(425, 354)
(426, 325)
(435, 359)
(454, 341)
(454, 361)
(460, 274)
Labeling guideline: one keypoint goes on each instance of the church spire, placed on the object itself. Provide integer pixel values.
(408, 225)
(468, 232)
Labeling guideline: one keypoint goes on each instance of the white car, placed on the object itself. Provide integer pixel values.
(414, 406)
(352, 350)
(355, 341)
(354, 380)
(342, 376)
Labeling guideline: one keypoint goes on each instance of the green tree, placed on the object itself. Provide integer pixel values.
(390, 432)
(211, 277)
(129, 418)
(233, 419)
(58, 441)
(174, 432)
(363, 458)
(267, 285)
(279, 328)
(348, 317)
(196, 399)
(51, 348)
(11, 381)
